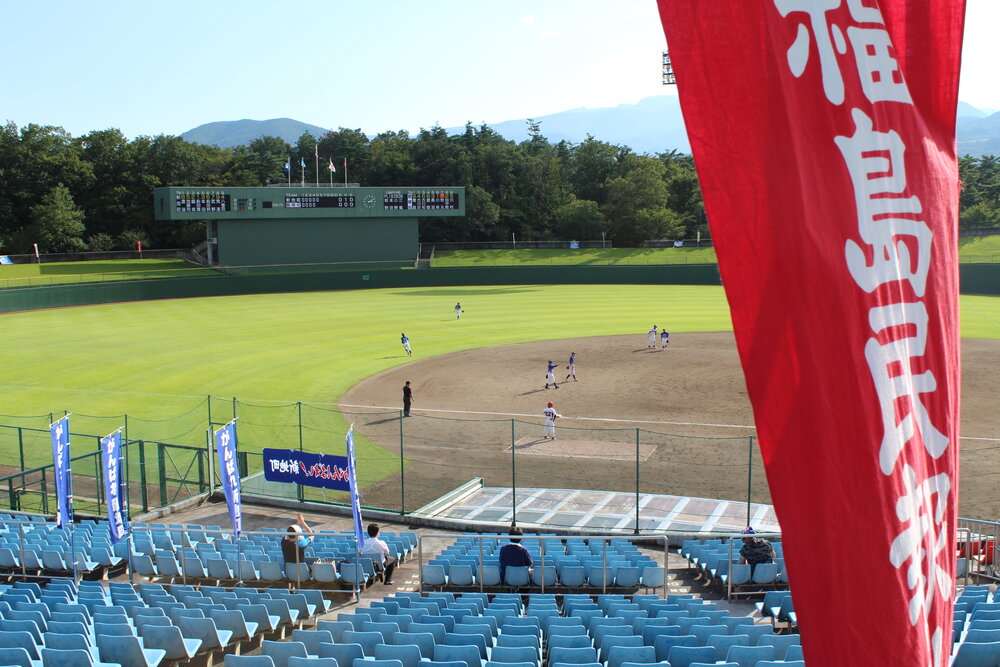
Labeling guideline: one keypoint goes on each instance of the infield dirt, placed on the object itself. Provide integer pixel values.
(684, 410)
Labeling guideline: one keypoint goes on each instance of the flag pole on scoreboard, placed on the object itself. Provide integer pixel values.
(345, 171)
(332, 170)
(288, 169)
(316, 156)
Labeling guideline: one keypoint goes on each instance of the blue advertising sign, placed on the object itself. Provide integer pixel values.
(355, 500)
(575, 245)
(294, 467)
(225, 444)
(111, 456)
(60, 458)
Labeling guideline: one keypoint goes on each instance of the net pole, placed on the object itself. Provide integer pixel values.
(749, 474)
(513, 477)
(636, 530)
(402, 469)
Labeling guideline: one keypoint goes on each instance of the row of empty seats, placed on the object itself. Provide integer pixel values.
(200, 554)
(718, 562)
(145, 624)
(574, 563)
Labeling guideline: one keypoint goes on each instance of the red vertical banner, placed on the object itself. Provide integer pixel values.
(824, 136)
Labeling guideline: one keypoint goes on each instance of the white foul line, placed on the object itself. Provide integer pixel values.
(595, 419)
(520, 414)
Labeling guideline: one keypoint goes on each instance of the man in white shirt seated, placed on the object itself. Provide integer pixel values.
(379, 551)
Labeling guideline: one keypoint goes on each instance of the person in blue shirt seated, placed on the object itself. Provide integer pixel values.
(293, 546)
(514, 554)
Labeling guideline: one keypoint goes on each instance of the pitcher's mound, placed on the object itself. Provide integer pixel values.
(586, 449)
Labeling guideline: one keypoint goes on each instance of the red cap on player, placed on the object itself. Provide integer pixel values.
(550, 404)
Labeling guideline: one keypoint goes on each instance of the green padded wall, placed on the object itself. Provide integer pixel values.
(299, 241)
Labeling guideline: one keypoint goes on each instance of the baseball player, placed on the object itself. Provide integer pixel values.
(458, 310)
(664, 338)
(550, 377)
(652, 338)
(571, 367)
(405, 340)
(550, 414)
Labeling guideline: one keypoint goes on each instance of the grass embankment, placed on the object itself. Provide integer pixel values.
(566, 256)
(971, 249)
(58, 273)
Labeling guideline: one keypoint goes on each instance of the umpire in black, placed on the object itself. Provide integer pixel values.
(407, 398)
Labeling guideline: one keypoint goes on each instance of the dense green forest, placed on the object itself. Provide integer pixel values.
(94, 192)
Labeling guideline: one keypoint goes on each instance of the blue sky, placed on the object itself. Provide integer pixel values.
(158, 67)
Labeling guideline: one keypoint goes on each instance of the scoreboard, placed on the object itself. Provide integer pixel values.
(195, 203)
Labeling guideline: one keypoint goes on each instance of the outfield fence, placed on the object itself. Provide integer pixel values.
(404, 463)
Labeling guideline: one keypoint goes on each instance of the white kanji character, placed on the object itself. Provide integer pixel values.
(878, 70)
(885, 217)
(798, 52)
(924, 540)
(896, 357)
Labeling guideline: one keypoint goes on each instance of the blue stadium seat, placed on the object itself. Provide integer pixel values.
(281, 651)
(127, 650)
(169, 639)
(345, 654)
(748, 656)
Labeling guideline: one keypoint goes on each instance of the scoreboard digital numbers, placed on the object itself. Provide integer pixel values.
(193, 202)
(420, 200)
(319, 201)
(279, 202)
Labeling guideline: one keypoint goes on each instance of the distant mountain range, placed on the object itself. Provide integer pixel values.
(652, 125)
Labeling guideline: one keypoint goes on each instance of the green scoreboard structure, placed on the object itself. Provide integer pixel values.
(309, 225)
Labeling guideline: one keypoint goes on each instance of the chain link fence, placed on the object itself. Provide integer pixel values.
(403, 463)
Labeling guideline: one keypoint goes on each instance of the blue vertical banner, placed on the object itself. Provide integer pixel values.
(225, 444)
(352, 475)
(60, 457)
(111, 457)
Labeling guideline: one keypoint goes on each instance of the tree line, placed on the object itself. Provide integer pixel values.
(94, 192)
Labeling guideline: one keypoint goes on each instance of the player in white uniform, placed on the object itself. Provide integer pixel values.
(550, 377)
(550, 415)
(571, 368)
(458, 310)
(405, 340)
(652, 338)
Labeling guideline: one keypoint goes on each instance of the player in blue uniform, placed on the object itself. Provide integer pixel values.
(664, 338)
(571, 367)
(405, 340)
(458, 310)
(550, 377)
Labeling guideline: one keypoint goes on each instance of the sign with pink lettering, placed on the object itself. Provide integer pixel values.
(294, 467)
(824, 136)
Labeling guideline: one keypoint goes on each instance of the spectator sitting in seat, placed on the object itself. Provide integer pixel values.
(514, 554)
(379, 551)
(755, 550)
(293, 546)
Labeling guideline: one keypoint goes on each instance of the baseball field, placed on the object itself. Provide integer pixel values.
(478, 381)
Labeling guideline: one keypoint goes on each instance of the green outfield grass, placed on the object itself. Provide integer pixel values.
(55, 273)
(156, 361)
(554, 256)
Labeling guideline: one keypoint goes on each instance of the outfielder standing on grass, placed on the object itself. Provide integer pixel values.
(405, 340)
(571, 368)
(652, 338)
(550, 414)
(458, 310)
(550, 377)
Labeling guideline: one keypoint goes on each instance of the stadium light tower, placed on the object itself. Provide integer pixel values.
(668, 71)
